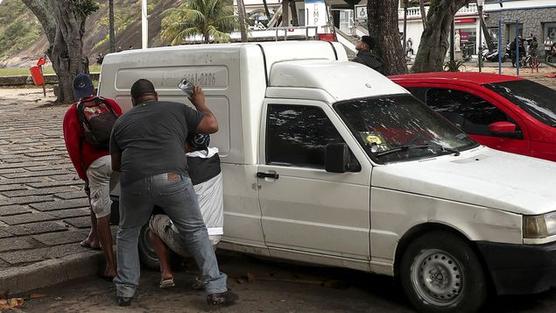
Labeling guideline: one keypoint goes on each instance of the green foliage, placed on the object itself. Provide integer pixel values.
(454, 66)
(85, 7)
(18, 27)
(213, 19)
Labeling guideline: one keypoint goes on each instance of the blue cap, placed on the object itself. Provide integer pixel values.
(82, 86)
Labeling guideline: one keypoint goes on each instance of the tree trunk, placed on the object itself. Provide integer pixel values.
(295, 19)
(423, 13)
(63, 22)
(383, 28)
(488, 38)
(111, 26)
(242, 20)
(434, 41)
(266, 10)
(285, 13)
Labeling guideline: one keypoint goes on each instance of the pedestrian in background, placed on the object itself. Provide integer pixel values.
(87, 126)
(365, 55)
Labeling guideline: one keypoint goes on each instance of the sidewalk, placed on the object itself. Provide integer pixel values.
(526, 73)
(43, 209)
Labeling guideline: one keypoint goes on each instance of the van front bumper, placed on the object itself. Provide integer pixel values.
(520, 269)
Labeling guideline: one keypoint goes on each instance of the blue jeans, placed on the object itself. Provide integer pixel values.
(175, 195)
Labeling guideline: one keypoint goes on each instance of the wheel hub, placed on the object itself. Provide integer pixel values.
(437, 277)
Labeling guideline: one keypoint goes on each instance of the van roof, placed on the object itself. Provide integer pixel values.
(291, 43)
(332, 76)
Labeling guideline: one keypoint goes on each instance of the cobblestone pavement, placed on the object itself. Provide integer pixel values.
(43, 209)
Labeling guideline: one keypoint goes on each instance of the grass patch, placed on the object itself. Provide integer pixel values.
(19, 71)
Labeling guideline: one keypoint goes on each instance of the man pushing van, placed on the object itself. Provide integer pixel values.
(147, 146)
(206, 176)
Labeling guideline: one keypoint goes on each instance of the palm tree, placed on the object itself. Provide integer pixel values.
(212, 19)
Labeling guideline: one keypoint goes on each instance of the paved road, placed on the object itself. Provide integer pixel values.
(43, 209)
(273, 286)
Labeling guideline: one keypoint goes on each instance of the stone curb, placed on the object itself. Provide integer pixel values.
(50, 272)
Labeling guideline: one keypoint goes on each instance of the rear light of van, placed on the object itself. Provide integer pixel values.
(327, 37)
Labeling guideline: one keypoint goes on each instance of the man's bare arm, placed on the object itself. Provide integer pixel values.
(208, 124)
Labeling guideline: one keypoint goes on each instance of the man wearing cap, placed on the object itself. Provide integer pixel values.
(147, 147)
(93, 166)
(365, 55)
(205, 173)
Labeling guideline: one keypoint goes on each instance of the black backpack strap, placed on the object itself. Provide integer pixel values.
(103, 100)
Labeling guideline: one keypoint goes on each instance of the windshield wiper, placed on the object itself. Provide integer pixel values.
(401, 148)
(447, 149)
(416, 147)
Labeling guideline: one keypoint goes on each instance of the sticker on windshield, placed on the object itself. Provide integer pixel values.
(374, 140)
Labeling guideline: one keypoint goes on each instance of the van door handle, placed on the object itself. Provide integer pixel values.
(268, 175)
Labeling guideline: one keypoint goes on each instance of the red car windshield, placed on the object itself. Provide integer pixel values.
(537, 100)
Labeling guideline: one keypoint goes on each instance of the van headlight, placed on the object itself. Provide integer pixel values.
(539, 226)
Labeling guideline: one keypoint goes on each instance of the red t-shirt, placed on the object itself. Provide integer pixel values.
(81, 153)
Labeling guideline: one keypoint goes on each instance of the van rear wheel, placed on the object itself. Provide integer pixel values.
(146, 252)
(440, 273)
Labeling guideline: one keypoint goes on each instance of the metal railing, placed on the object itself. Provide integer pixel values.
(294, 31)
(415, 12)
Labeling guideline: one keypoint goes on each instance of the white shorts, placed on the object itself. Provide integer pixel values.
(162, 226)
(99, 174)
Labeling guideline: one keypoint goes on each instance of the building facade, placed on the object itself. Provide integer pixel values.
(527, 18)
(524, 17)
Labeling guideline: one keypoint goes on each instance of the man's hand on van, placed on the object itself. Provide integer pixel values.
(198, 97)
(208, 124)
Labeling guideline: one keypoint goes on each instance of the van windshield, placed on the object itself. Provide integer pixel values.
(400, 128)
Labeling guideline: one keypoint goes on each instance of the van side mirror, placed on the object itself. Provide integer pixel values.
(338, 158)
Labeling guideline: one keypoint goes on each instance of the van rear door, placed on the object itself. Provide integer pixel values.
(304, 208)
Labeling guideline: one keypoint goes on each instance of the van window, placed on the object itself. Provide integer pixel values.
(297, 136)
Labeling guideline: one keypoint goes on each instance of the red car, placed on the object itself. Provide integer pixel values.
(502, 112)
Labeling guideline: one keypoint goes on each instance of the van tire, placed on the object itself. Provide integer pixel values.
(439, 273)
(147, 255)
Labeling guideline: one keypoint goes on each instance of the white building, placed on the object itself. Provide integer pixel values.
(536, 17)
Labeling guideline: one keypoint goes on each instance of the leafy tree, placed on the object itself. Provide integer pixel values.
(63, 22)
(434, 41)
(212, 19)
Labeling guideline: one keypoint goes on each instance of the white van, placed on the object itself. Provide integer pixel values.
(326, 161)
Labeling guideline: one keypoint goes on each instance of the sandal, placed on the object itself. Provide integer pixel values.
(86, 244)
(167, 283)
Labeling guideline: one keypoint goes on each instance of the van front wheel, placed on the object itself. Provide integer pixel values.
(441, 273)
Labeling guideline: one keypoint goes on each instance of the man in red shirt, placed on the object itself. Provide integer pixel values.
(93, 165)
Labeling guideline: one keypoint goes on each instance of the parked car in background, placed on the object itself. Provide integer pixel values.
(502, 112)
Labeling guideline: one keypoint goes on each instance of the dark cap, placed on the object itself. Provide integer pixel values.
(368, 41)
(198, 141)
(142, 87)
(83, 86)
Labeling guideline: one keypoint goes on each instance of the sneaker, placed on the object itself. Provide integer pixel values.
(223, 298)
(124, 301)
